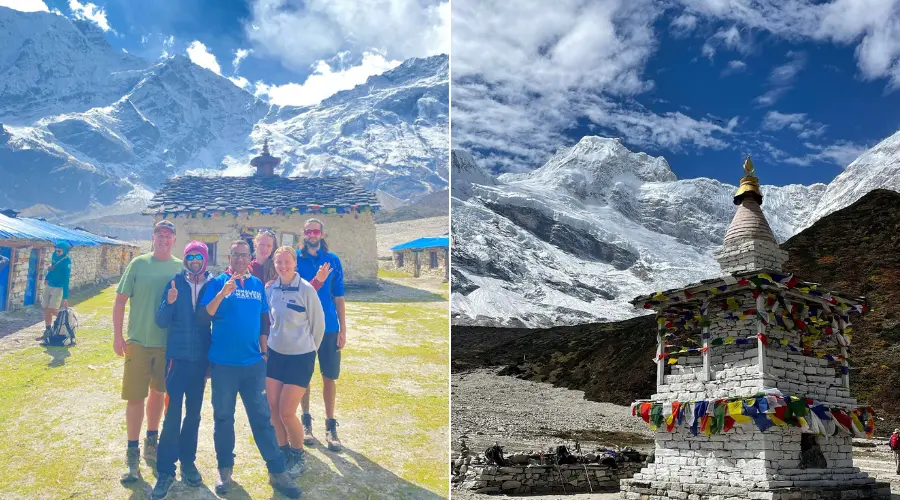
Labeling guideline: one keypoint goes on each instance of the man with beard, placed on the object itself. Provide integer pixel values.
(187, 351)
(236, 303)
(313, 254)
(142, 284)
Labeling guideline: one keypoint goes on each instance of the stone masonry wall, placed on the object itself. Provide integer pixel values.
(425, 269)
(88, 268)
(536, 479)
(753, 255)
(350, 236)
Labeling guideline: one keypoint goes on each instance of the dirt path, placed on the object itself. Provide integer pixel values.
(62, 429)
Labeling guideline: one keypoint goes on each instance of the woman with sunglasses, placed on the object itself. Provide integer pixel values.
(263, 264)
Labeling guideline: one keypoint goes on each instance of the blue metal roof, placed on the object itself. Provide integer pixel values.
(421, 243)
(34, 229)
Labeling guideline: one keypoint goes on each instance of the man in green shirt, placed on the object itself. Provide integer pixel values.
(142, 284)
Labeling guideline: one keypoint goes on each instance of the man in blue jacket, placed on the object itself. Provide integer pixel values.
(313, 254)
(237, 305)
(56, 291)
(187, 351)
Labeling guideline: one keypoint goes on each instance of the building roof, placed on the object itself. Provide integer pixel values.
(259, 193)
(36, 229)
(421, 243)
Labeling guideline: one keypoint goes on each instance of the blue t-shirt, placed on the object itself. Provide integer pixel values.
(236, 325)
(307, 266)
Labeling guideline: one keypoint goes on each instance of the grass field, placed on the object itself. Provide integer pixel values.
(62, 425)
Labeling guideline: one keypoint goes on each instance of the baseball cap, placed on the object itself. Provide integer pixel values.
(164, 224)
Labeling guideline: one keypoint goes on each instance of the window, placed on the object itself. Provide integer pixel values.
(288, 239)
(211, 248)
(399, 260)
(434, 260)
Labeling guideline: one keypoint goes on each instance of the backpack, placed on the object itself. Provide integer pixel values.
(895, 442)
(63, 331)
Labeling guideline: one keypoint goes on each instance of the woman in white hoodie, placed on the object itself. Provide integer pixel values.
(297, 328)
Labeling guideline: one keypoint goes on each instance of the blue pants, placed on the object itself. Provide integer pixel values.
(250, 383)
(185, 383)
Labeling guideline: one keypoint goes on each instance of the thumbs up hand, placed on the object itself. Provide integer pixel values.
(173, 294)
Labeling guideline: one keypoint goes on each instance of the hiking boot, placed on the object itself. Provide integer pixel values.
(45, 335)
(284, 484)
(133, 461)
(223, 483)
(163, 484)
(297, 463)
(331, 437)
(190, 475)
(151, 446)
(308, 437)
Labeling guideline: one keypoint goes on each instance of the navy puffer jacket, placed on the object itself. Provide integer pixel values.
(188, 338)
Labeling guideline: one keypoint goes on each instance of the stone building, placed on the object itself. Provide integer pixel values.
(219, 210)
(29, 244)
(753, 393)
(424, 257)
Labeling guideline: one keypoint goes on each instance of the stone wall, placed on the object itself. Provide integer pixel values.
(90, 266)
(425, 269)
(753, 255)
(350, 236)
(538, 479)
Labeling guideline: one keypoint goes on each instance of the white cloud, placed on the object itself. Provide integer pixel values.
(90, 12)
(873, 26)
(841, 153)
(201, 56)
(300, 33)
(25, 5)
(324, 81)
(683, 24)
(240, 81)
(804, 127)
(734, 66)
(524, 73)
(167, 46)
(730, 38)
(782, 78)
(239, 56)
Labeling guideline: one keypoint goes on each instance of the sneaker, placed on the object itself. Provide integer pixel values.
(224, 481)
(297, 463)
(151, 445)
(331, 437)
(45, 335)
(163, 484)
(284, 484)
(190, 475)
(133, 461)
(308, 437)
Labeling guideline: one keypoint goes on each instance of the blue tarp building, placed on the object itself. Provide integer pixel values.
(25, 240)
(430, 254)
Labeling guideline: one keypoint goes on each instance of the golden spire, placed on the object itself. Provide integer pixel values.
(749, 184)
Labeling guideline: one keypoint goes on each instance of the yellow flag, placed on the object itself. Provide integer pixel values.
(775, 420)
(736, 411)
(673, 361)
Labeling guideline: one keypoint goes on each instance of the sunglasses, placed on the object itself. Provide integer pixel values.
(193, 257)
(240, 255)
(312, 232)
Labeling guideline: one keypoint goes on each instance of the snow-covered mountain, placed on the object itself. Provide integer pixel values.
(597, 225)
(84, 127)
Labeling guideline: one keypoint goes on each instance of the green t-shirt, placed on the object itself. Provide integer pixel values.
(144, 280)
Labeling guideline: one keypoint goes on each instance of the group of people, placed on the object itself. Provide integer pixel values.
(254, 330)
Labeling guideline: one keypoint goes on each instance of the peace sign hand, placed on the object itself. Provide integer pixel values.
(230, 286)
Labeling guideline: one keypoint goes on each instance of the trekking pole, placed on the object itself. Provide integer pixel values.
(581, 457)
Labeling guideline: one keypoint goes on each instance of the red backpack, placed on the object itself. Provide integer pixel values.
(895, 441)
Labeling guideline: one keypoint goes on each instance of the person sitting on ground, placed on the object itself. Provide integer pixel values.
(187, 351)
(298, 326)
(236, 303)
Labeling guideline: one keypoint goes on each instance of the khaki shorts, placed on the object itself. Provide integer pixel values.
(145, 369)
(52, 297)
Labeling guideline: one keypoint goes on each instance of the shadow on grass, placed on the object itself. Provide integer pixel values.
(372, 479)
(33, 316)
(392, 292)
(142, 490)
(58, 355)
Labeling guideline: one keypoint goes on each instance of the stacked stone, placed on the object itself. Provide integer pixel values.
(547, 478)
(754, 255)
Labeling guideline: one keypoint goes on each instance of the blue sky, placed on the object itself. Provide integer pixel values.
(803, 87)
(289, 51)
